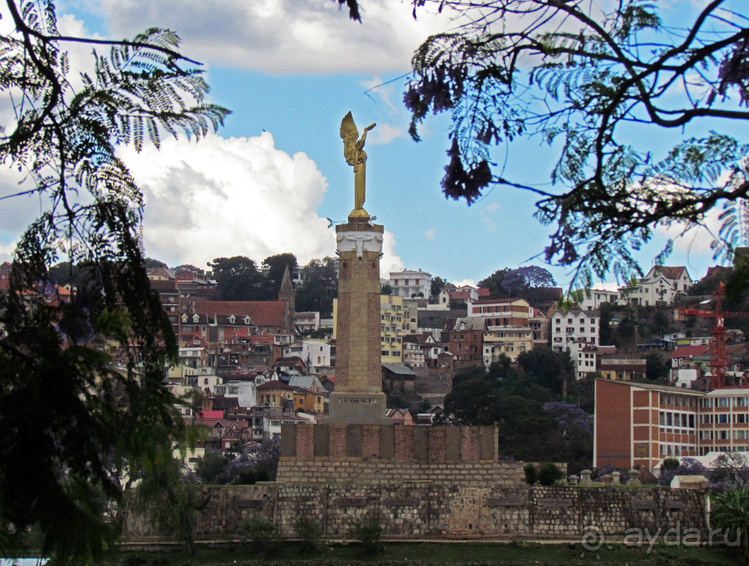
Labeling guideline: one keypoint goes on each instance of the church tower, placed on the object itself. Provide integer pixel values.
(286, 294)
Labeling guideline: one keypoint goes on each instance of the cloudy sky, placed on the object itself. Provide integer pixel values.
(275, 177)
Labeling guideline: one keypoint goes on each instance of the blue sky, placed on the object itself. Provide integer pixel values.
(289, 70)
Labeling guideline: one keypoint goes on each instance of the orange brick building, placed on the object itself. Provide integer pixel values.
(638, 424)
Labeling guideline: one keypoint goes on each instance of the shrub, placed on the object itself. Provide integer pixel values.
(368, 531)
(729, 513)
(531, 473)
(549, 474)
(309, 533)
(261, 536)
(669, 464)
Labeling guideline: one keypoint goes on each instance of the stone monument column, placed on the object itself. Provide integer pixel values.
(358, 396)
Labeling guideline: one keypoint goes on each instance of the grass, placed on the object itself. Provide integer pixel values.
(416, 554)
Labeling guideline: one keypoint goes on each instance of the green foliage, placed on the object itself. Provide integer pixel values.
(386, 289)
(531, 473)
(319, 288)
(549, 473)
(670, 464)
(519, 282)
(582, 393)
(262, 536)
(239, 279)
(549, 368)
(730, 513)
(210, 466)
(368, 531)
(473, 401)
(437, 285)
(656, 367)
(517, 404)
(574, 78)
(170, 500)
(277, 264)
(153, 263)
(310, 533)
(494, 284)
(71, 422)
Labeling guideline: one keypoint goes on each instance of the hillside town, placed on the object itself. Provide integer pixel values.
(639, 364)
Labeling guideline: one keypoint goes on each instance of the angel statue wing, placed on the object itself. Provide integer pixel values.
(349, 134)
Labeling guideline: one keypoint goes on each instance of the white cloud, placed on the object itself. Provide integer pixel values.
(694, 240)
(462, 282)
(385, 133)
(225, 197)
(237, 196)
(283, 36)
(488, 221)
(430, 234)
(390, 261)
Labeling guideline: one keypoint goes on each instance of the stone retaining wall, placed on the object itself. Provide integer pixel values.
(440, 510)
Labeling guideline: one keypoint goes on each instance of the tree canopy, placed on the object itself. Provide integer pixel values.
(494, 284)
(319, 287)
(277, 264)
(534, 425)
(70, 417)
(518, 281)
(239, 279)
(580, 76)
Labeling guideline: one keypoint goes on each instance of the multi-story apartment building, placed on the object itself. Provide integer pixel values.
(507, 327)
(639, 424)
(392, 325)
(422, 351)
(411, 283)
(540, 326)
(411, 316)
(413, 352)
(315, 353)
(574, 327)
(463, 337)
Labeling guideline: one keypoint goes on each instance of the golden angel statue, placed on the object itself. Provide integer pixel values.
(353, 151)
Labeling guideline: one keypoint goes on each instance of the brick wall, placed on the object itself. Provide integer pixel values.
(613, 425)
(388, 454)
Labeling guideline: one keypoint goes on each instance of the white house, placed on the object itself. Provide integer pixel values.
(244, 391)
(575, 331)
(592, 299)
(411, 283)
(658, 287)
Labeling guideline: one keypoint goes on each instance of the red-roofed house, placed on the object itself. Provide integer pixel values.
(232, 321)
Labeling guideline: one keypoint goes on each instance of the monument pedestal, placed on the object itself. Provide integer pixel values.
(358, 408)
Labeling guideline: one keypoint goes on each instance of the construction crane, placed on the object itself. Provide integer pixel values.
(718, 357)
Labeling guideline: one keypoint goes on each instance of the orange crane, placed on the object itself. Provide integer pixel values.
(718, 357)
